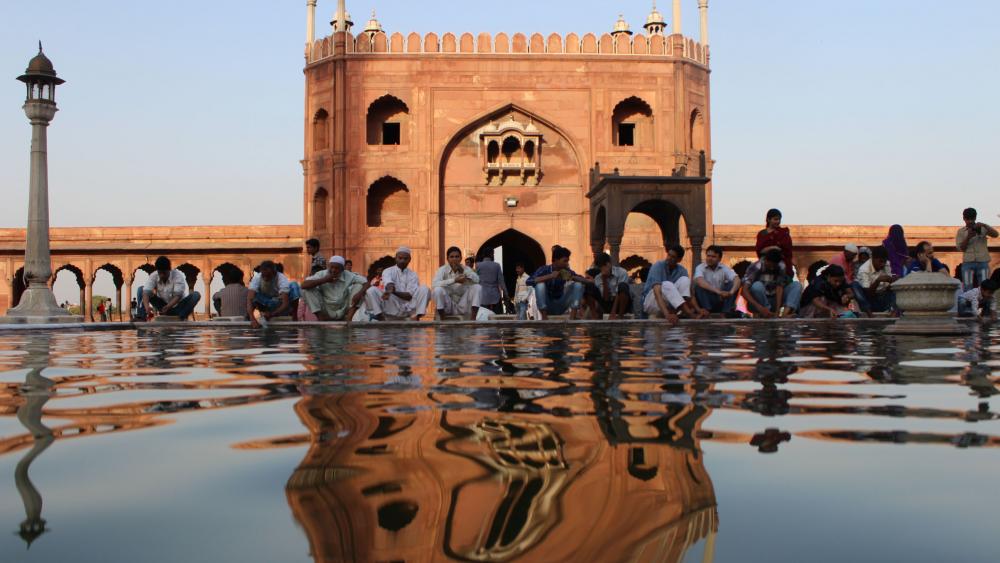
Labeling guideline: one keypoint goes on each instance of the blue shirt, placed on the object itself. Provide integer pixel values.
(661, 272)
(554, 288)
(918, 266)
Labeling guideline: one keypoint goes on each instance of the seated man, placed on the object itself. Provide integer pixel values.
(401, 296)
(557, 288)
(609, 293)
(668, 289)
(163, 293)
(979, 302)
(769, 290)
(872, 288)
(845, 259)
(456, 290)
(827, 296)
(231, 301)
(924, 260)
(716, 285)
(333, 294)
(272, 293)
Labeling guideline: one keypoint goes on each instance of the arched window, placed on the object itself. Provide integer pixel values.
(697, 132)
(321, 130)
(529, 151)
(388, 117)
(511, 147)
(319, 209)
(493, 152)
(632, 123)
(388, 204)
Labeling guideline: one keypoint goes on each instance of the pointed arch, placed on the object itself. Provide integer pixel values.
(632, 123)
(697, 138)
(387, 204)
(321, 128)
(387, 120)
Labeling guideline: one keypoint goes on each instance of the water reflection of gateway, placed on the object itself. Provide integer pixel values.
(477, 486)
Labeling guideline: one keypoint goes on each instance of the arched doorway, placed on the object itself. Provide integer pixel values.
(511, 247)
(18, 287)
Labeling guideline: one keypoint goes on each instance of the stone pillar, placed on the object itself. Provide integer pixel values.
(696, 243)
(38, 304)
(127, 290)
(207, 273)
(616, 246)
(88, 288)
(341, 16)
(118, 302)
(677, 17)
(310, 25)
(703, 12)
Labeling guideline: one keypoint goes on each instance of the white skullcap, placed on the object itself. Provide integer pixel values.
(864, 250)
(338, 260)
(404, 250)
(851, 247)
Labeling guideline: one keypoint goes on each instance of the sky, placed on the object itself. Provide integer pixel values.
(190, 112)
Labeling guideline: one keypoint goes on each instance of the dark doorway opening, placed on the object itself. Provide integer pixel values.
(626, 134)
(18, 288)
(517, 247)
(390, 133)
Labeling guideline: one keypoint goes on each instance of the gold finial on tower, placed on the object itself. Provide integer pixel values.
(373, 26)
(655, 25)
(621, 26)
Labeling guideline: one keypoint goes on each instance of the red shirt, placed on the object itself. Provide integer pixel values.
(780, 237)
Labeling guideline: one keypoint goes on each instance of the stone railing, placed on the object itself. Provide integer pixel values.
(502, 44)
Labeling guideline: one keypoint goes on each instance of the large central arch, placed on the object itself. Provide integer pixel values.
(517, 248)
(465, 217)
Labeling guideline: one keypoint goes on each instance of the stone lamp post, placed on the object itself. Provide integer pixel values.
(38, 304)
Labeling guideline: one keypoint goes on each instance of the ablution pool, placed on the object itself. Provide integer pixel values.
(761, 441)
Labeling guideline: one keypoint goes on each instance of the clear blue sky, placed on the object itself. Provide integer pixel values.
(849, 112)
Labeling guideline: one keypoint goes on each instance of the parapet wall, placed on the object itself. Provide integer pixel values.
(672, 46)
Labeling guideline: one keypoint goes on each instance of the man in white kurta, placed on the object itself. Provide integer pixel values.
(456, 288)
(401, 296)
(333, 294)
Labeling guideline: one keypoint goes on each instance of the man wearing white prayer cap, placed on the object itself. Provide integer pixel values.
(845, 260)
(334, 294)
(456, 288)
(401, 296)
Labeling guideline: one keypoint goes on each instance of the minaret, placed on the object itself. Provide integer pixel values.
(310, 22)
(341, 21)
(703, 10)
(621, 26)
(654, 23)
(677, 17)
(38, 304)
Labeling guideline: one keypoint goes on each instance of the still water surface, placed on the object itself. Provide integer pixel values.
(751, 442)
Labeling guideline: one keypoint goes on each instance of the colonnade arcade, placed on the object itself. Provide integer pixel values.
(125, 277)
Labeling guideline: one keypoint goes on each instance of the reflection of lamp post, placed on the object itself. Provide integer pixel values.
(37, 390)
(38, 304)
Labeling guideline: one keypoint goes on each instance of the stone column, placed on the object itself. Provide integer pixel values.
(118, 302)
(38, 304)
(207, 273)
(341, 16)
(616, 246)
(703, 12)
(88, 288)
(677, 17)
(127, 290)
(696, 243)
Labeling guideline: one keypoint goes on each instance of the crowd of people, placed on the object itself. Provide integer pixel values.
(856, 281)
